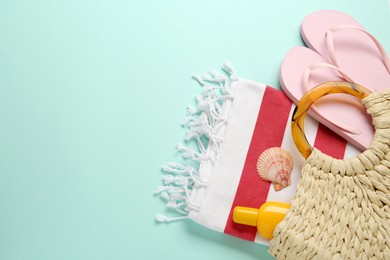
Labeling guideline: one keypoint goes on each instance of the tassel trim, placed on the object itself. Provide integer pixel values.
(201, 143)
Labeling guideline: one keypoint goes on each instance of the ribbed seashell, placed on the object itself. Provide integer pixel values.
(275, 164)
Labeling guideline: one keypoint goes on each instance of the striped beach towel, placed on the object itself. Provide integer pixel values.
(234, 121)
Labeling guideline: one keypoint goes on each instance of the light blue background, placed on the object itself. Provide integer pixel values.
(92, 95)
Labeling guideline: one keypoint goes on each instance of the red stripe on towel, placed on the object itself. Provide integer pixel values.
(269, 131)
(330, 143)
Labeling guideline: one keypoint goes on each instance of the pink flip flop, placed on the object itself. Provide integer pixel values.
(343, 42)
(302, 69)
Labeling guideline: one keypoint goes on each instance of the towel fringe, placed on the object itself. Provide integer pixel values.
(161, 218)
(202, 123)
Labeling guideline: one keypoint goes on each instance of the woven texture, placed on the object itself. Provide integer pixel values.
(341, 209)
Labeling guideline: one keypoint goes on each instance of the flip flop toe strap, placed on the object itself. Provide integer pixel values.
(340, 27)
(306, 76)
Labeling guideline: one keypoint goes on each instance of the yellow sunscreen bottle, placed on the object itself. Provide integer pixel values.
(265, 218)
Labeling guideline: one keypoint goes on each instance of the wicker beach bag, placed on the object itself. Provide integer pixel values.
(341, 209)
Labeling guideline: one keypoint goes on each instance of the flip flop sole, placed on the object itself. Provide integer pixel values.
(333, 108)
(356, 53)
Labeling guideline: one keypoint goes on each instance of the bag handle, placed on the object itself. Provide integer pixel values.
(298, 117)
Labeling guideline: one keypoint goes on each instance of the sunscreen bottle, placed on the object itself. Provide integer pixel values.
(265, 218)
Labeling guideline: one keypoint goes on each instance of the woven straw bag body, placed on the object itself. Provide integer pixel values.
(341, 209)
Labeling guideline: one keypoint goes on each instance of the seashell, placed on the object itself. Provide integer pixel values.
(275, 164)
